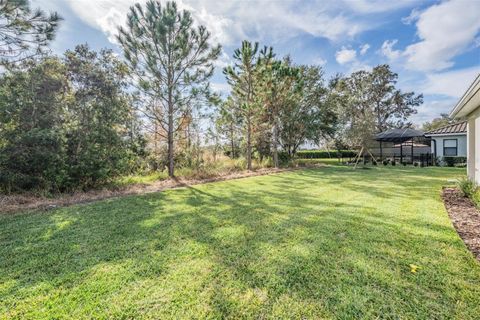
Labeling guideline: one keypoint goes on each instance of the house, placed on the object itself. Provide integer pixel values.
(469, 108)
(449, 141)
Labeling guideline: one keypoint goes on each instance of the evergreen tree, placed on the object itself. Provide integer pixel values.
(172, 61)
(32, 136)
(23, 32)
(242, 79)
(98, 116)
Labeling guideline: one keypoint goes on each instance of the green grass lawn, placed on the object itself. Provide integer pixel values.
(319, 243)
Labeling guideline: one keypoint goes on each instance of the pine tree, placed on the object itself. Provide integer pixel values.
(24, 33)
(242, 79)
(172, 61)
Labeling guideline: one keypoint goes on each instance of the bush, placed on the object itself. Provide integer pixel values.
(385, 162)
(452, 161)
(267, 162)
(467, 187)
(323, 154)
(394, 163)
(240, 164)
(284, 157)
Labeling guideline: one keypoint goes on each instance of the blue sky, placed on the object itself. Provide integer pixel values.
(434, 46)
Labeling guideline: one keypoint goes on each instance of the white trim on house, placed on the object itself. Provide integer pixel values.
(469, 101)
(469, 107)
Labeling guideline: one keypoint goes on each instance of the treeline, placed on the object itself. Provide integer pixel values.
(67, 123)
(85, 118)
(273, 104)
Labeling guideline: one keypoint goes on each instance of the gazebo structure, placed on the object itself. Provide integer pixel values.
(405, 139)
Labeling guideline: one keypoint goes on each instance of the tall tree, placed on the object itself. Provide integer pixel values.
(278, 89)
(98, 116)
(242, 79)
(229, 123)
(23, 32)
(391, 106)
(371, 103)
(32, 152)
(306, 115)
(172, 60)
(436, 123)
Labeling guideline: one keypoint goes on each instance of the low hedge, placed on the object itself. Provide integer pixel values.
(322, 154)
(453, 161)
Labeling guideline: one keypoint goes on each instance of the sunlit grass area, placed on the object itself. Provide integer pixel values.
(331, 242)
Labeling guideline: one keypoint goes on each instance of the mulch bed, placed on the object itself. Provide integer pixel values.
(465, 217)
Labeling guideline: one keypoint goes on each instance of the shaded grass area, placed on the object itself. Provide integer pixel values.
(318, 243)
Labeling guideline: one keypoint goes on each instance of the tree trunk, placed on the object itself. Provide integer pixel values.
(171, 172)
(232, 143)
(275, 143)
(249, 145)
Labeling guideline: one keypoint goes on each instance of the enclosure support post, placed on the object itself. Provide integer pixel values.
(401, 152)
(412, 151)
(381, 151)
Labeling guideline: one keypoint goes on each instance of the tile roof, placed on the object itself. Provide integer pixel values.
(459, 127)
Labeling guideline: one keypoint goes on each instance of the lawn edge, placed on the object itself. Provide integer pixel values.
(18, 204)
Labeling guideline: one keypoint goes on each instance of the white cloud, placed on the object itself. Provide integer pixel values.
(376, 6)
(451, 83)
(345, 55)
(223, 61)
(216, 25)
(358, 66)
(109, 23)
(445, 30)
(220, 88)
(432, 109)
(105, 15)
(412, 17)
(232, 21)
(364, 49)
(388, 51)
(319, 61)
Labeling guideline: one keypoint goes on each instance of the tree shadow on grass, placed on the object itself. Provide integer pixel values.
(263, 247)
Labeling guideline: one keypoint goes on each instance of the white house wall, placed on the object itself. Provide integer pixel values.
(461, 144)
(473, 133)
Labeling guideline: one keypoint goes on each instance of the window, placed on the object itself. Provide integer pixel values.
(450, 147)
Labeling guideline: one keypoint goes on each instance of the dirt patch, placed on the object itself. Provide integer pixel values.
(20, 203)
(465, 217)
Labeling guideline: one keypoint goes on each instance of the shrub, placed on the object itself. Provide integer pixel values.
(452, 161)
(240, 164)
(283, 157)
(394, 163)
(385, 162)
(323, 154)
(467, 187)
(267, 162)
(415, 164)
